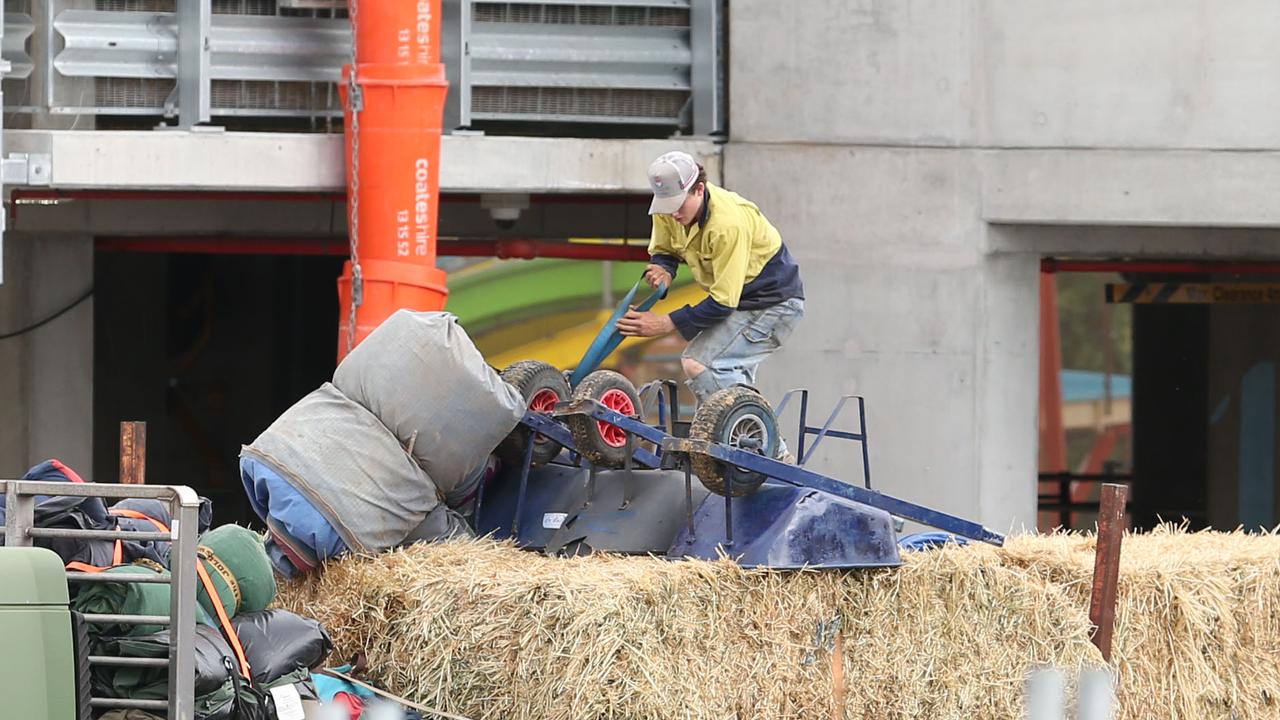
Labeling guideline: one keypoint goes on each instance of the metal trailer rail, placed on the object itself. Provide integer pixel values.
(673, 451)
(184, 507)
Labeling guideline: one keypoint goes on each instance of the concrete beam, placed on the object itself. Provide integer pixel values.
(297, 162)
(1098, 73)
(548, 217)
(1131, 187)
(1189, 243)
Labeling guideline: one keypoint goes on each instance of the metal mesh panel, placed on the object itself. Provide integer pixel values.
(266, 95)
(222, 7)
(17, 94)
(132, 92)
(513, 102)
(135, 5)
(244, 7)
(534, 13)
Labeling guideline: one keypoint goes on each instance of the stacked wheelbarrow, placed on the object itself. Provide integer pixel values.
(586, 471)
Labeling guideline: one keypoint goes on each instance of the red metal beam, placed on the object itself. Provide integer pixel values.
(1053, 435)
(557, 199)
(215, 245)
(528, 249)
(1170, 267)
(513, 248)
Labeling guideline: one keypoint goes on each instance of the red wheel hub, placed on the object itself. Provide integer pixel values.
(619, 401)
(543, 401)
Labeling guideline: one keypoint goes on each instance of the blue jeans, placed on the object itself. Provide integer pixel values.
(732, 350)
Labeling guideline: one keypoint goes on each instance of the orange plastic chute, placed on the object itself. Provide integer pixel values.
(403, 88)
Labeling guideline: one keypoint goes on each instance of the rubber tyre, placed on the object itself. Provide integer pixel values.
(586, 430)
(531, 377)
(715, 420)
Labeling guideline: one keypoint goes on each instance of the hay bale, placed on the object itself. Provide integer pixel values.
(488, 631)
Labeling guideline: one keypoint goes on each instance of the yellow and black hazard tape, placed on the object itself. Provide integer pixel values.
(1157, 293)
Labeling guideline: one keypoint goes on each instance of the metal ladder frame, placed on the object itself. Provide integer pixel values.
(184, 508)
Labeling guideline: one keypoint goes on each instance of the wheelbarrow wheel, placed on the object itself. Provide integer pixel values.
(740, 418)
(602, 444)
(542, 386)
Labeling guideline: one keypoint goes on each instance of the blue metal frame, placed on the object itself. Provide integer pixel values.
(826, 431)
(674, 450)
(632, 426)
(608, 339)
(800, 477)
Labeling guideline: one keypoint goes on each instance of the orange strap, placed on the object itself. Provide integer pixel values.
(117, 558)
(85, 567)
(207, 582)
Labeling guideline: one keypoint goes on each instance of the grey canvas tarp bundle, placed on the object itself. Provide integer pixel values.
(423, 378)
(350, 467)
(412, 412)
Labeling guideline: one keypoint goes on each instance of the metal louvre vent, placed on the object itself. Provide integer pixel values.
(548, 103)
(244, 7)
(529, 67)
(132, 93)
(221, 7)
(625, 62)
(534, 13)
(248, 95)
(302, 50)
(134, 5)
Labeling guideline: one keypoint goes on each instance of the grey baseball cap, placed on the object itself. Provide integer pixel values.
(671, 177)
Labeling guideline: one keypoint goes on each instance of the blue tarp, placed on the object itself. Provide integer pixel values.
(929, 540)
(1084, 385)
(293, 520)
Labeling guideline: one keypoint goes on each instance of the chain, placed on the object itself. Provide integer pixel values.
(356, 97)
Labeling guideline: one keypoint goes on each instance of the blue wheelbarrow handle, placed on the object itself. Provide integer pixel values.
(608, 339)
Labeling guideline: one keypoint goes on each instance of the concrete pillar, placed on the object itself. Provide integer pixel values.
(14, 314)
(46, 374)
(60, 354)
(906, 306)
(1007, 360)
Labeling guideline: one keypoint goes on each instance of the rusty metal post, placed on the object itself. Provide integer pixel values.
(837, 677)
(133, 452)
(1106, 565)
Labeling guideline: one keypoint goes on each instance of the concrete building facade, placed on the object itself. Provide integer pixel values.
(921, 157)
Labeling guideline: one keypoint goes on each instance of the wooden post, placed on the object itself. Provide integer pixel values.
(133, 452)
(1106, 566)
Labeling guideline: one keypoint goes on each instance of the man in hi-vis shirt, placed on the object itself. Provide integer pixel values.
(754, 294)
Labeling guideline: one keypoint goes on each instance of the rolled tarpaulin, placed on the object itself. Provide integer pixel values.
(127, 598)
(237, 563)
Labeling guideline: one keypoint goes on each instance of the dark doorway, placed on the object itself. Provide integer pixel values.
(208, 350)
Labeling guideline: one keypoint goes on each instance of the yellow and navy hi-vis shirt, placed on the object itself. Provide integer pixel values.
(734, 253)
